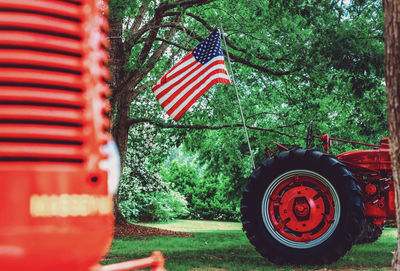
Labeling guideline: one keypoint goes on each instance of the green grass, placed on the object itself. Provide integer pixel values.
(196, 225)
(230, 250)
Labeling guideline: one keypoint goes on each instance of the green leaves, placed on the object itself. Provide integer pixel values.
(206, 196)
(293, 61)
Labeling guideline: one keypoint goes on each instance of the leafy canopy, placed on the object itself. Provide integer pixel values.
(293, 61)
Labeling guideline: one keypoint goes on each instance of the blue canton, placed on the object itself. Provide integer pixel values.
(208, 48)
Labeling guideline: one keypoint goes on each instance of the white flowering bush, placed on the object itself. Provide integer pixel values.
(143, 196)
(141, 200)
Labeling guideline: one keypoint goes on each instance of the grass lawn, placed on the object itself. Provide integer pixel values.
(196, 225)
(225, 247)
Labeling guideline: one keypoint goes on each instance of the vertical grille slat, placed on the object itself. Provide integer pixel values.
(41, 133)
(49, 96)
(40, 42)
(28, 58)
(51, 8)
(40, 77)
(50, 114)
(40, 23)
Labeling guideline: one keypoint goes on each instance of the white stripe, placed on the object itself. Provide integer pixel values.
(187, 88)
(181, 66)
(176, 79)
(188, 78)
(198, 90)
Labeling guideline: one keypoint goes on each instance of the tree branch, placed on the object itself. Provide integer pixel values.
(182, 28)
(139, 17)
(199, 19)
(132, 122)
(133, 79)
(144, 86)
(235, 57)
(261, 68)
(230, 44)
(186, 3)
(174, 44)
(161, 11)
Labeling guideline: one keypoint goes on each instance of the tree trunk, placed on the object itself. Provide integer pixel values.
(120, 127)
(117, 60)
(392, 70)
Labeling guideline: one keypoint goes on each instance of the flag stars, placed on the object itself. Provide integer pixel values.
(208, 48)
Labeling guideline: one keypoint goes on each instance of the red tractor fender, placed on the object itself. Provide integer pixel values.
(375, 159)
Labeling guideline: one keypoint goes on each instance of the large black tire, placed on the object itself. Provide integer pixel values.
(261, 207)
(370, 233)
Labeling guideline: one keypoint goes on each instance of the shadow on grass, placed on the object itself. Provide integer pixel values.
(231, 251)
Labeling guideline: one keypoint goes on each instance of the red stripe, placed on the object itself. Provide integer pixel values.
(184, 97)
(165, 91)
(215, 81)
(184, 59)
(167, 79)
(197, 71)
(179, 90)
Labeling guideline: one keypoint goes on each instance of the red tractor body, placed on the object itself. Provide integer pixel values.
(371, 162)
(58, 165)
(373, 171)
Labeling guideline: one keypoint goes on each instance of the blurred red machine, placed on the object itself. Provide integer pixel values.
(58, 164)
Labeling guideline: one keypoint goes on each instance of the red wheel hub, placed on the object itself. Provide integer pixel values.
(301, 209)
(370, 189)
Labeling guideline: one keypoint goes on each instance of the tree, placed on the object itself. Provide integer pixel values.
(391, 10)
(143, 32)
(294, 61)
(336, 54)
(140, 33)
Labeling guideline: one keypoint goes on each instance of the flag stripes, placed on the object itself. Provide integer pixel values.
(182, 83)
(182, 65)
(191, 85)
(195, 95)
(191, 77)
(186, 81)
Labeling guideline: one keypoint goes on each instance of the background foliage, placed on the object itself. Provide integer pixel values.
(293, 61)
(143, 195)
(206, 197)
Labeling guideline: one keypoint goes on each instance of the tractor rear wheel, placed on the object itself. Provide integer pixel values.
(302, 207)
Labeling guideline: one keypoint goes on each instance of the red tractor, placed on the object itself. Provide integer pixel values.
(304, 206)
(58, 163)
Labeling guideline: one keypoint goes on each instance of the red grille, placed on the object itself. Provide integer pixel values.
(47, 65)
(56, 207)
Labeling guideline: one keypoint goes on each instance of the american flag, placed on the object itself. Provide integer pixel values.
(192, 76)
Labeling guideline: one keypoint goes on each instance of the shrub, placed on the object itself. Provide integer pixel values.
(145, 197)
(206, 197)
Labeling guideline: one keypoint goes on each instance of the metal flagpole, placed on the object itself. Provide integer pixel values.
(238, 99)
